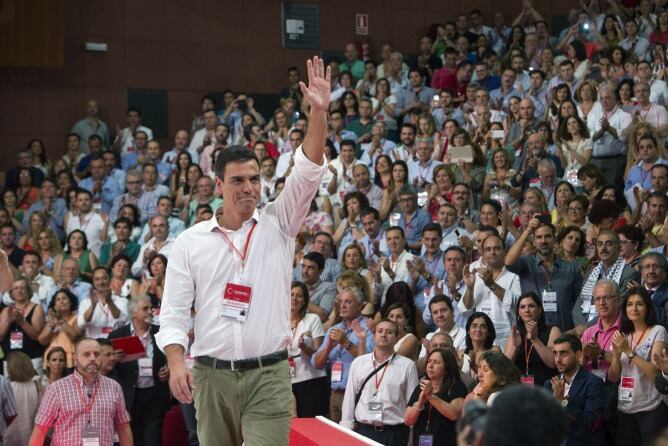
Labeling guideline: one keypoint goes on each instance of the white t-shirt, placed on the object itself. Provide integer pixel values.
(304, 371)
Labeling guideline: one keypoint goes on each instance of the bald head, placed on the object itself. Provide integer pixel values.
(526, 108)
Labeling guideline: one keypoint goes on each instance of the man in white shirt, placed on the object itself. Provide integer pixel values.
(159, 243)
(406, 150)
(648, 111)
(421, 172)
(102, 312)
(606, 124)
(363, 184)
(204, 136)
(93, 224)
(452, 286)
(658, 89)
(634, 43)
(40, 283)
(175, 224)
(296, 137)
(379, 145)
(232, 270)
(125, 139)
(492, 289)
(378, 412)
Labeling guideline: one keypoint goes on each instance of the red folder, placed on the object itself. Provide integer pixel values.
(131, 346)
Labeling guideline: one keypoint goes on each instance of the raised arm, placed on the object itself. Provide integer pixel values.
(317, 95)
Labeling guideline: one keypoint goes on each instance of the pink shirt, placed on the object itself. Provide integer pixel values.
(604, 340)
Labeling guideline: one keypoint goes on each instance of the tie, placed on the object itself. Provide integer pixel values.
(651, 293)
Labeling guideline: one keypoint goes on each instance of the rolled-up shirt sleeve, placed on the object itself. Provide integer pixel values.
(293, 203)
(178, 298)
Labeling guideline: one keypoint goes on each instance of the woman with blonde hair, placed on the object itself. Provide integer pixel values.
(426, 128)
(350, 279)
(472, 173)
(27, 395)
(36, 224)
(48, 247)
(497, 181)
(586, 97)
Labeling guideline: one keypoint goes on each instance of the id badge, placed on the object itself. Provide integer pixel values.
(426, 440)
(486, 306)
(236, 301)
(376, 412)
(626, 389)
(337, 371)
(16, 340)
(291, 363)
(90, 436)
(190, 361)
(145, 367)
(527, 380)
(550, 301)
(106, 331)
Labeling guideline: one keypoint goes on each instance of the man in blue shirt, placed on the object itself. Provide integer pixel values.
(103, 188)
(344, 342)
(412, 219)
(429, 268)
(51, 206)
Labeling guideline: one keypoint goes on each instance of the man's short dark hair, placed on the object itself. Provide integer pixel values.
(208, 97)
(292, 68)
(133, 109)
(541, 73)
(370, 211)
(347, 142)
(659, 166)
(408, 125)
(104, 341)
(316, 258)
(233, 154)
(123, 220)
(165, 197)
(492, 229)
(97, 138)
(84, 191)
(440, 298)
(76, 135)
(268, 158)
(571, 340)
(433, 227)
(463, 64)
(34, 254)
(396, 228)
(204, 206)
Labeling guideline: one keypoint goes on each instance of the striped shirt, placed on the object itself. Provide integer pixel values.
(7, 403)
(64, 408)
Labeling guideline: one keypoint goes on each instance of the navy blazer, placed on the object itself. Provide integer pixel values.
(660, 299)
(586, 401)
(126, 373)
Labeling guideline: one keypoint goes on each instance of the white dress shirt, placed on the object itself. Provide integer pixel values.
(102, 322)
(138, 267)
(502, 313)
(304, 370)
(457, 334)
(201, 263)
(607, 145)
(394, 391)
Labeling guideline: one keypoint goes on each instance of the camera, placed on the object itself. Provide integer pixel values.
(242, 105)
(475, 415)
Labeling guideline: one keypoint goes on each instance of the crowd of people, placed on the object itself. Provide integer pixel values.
(493, 213)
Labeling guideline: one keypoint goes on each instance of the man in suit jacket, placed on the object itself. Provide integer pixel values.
(661, 381)
(579, 392)
(144, 381)
(653, 272)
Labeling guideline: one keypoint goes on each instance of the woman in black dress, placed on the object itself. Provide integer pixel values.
(437, 402)
(531, 340)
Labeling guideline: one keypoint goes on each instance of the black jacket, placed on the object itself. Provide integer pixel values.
(126, 373)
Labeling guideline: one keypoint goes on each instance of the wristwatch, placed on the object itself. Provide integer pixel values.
(632, 355)
(348, 345)
(492, 287)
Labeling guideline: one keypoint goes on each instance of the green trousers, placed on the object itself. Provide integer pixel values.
(252, 406)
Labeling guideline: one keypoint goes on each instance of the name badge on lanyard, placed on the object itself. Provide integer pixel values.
(90, 436)
(238, 294)
(16, 340)
(337, 371)
(626, 389)
(145, 367)
(550, 301)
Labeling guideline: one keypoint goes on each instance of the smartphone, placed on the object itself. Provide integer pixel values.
(545, 219)
(498, 134)
(435, 98)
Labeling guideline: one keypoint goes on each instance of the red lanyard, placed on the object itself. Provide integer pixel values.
(633, 348)
(527, 354)
(375, 377)
(88, 407)
(548, 277)
(234, 248)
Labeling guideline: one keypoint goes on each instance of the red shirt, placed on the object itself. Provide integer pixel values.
(655, 37)
(449, 83)
(438, 76)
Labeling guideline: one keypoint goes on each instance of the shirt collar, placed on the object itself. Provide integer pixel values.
(212, 223)
(76, 376)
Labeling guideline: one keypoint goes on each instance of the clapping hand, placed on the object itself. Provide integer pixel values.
(517, 337)
(558, 388)
(619, 343)
(661, 360)
(426, 390)
(359, 331)
(532, 330)
(469, 277)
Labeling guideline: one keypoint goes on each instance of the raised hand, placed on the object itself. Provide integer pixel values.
(532, 330)
(319, 89)
(469, 277)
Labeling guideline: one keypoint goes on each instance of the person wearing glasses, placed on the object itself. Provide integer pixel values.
(653, 268)
(612, 267)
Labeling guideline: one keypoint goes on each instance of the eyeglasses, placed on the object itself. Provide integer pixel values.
(606, 298)
(608, 243)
